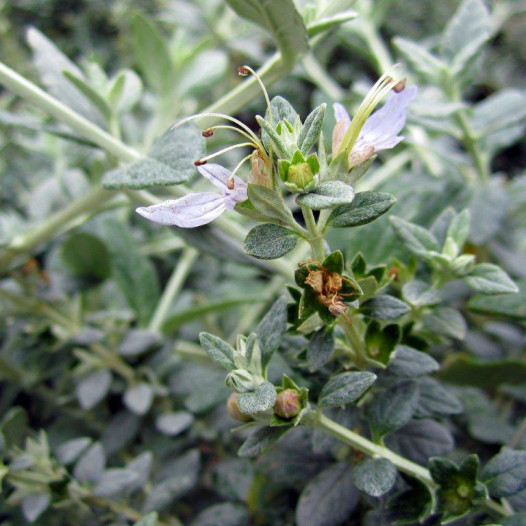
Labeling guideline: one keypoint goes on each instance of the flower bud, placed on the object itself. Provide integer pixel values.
(288, 404)
(300, 175)
(260, 171)
(233, 410)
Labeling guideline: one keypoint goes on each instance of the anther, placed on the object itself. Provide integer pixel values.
(242, 71)
(399, 86)
(230, 183)
(199, 163)
(208, 132)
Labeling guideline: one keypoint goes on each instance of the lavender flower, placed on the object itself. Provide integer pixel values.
(199, 209)
(380, 130)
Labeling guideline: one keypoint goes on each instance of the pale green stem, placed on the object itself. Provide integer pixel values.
(354, 339)
(314, 238)
(55, 224)
(320, 421)
(173, 287)
(376, 44)
(319, 76)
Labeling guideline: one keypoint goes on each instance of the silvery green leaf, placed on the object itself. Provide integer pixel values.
(408, 362)
(345, 388)
(226, 514)
(417, 239)
(281, 19)
(393, 408)
(263, 398)
(218, 350)
(328, 22)
(501, 110)
(141, 465)
(138, 398)
(90, 466)
(374, 476)
(441, 224)
(259, 441)
(93, 388)
(321, 346)
(69, 451)
(311, 129)
(207, 68)
(270, 205)
(148, 520)
(35, 504)
(148, 43)
(270, 241)
(505, 473)
(419, 293)
(329, 498)
(138, 341)
(420, 59)
(170, 161)
(277, 142)
(445, 321)
(271, 328)
(458, 229)
(435, 400)
(125, 90)
(114, 481)
(327, 195)
(173, 424)
(466, 32)
(490, 279)
(384, 307)
(366, 207)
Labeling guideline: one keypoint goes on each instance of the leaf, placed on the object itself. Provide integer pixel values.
(35, 504)
(51, 64)
(505, 473)
(263, 398)
(226, 514)
(90, 93)
(329, 498)
(259, 441)
(420, 294)
(436, 401)
(91, 465)
(173, 424)
(393, 408)
(345, 388)
(281, 19)
(311, 130)
(152, 53)
(148, 520)
(327, 195)
(374, 476)
(138, 341)
(271, 328)
(70, 450)
(509, 305)
(328, 22)
(269, 203)
(416, 239)
(218, 350)
(410, 362)
(463, 369)
(384, 307)
(446, 322)
(132, 270)
(381, 342)
(269, 241)
(411, 505)
(366, 207)
(490, 279)
(93, 388)
(170, 161)
(421, 439)
(420, 59)
(114, 482)
(458, 229)
(138, 398)
(321, 346)
(87, 256)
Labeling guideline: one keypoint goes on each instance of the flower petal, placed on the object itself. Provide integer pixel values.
(381, 128)
(238, 194)
(218, 175)
(340, 113)
(187, 212)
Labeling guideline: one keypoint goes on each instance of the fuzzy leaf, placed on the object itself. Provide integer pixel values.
(259, 441)
(375, 476)
(416, 239)
(269, 241)
(271, 328)
(490, 279)
(321, 346)
(327, 195)
(263, 398)
(345, 388)
(384, 307)
(366, 207)
(218, 350)
(311, 130)
(505, 473)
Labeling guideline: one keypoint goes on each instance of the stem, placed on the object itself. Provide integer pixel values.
(319, 76)
(32, 93)
(356, 342)
(58, 222)
(315, 238)
(381, 54)
(404, 465)
(469, 139)
(176, 281)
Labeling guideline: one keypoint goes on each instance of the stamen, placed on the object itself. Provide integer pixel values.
(398, 88)
(240, 163)
(233, 128)
(199, 162)
(224, 150)
(230, 182)
(244, 71)
(208, 132)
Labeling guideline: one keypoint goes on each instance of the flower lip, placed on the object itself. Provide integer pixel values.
(195, 210)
